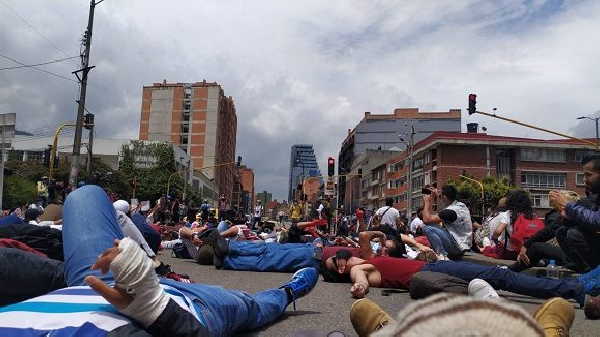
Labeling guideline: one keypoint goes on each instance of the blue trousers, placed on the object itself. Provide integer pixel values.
(442, 242)
(260, 256)
(505, 279)
(90, 227)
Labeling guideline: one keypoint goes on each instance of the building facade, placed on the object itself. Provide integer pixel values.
(198, 118)
(303, 163)
(535, 165)
(243, 193)
(264, 197)
(391, 132)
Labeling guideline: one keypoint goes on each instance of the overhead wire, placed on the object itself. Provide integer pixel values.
(39, 64)
(32, 27)
(38, 69)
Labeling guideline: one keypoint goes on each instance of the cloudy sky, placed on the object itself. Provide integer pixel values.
(305, 71)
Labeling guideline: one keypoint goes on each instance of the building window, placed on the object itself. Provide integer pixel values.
(580, 154)
(543, 180)
(183, 139)
(427, 157)
(539, 199)
(187, 106)
(418, 164)
(579, 181)
(418, 183)
(543, 155)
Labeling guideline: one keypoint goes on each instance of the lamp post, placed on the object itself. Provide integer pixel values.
(595, 119)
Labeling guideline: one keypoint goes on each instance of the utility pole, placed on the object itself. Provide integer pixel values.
(89, 124)
(411, 144)
(85, 68)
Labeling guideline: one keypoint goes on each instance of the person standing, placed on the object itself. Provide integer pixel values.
(388, 215)
(295, 212)
(258, 210)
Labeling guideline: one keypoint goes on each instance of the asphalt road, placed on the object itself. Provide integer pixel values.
(327, 307)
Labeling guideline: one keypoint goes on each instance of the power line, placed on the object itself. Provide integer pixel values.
(39, 64)
(38, 69)
(32, 27)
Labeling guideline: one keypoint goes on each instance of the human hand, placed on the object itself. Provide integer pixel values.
(114, 295)
(558, 200)
(523, 258)
(428, 198)
(358, 290)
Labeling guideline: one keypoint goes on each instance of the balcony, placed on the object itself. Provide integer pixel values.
(374, 182)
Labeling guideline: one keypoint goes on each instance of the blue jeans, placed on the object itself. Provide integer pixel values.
(505, 279)
(90, 227)
(442, 242)
(260, 256)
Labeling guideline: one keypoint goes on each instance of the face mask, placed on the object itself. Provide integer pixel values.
(376, 247)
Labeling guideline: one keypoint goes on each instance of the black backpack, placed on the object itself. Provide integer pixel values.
(44, 239)
(180, 251)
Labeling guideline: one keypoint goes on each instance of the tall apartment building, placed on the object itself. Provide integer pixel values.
(535, 165)
(200, 119)
(383, 132)
(303, 163)
(243, 193)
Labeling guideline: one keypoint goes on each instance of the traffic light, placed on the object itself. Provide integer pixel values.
(360, 173)
(472, 103)
(331, 167)
(88, 121)
(239, 161)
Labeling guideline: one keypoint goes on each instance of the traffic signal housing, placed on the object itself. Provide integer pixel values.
(331, 166)
(472, 104)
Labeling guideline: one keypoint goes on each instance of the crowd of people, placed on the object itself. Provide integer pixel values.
(94, 265)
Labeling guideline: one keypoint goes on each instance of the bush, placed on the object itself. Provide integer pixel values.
(18, 191)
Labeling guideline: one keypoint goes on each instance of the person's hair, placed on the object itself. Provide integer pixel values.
(594, 159)
(518, 202)
(420, 213)
(343, 254)
(32, 214)
(448, 216)
(333, 276)
(449, 192)
(398, 250)
(389, 202)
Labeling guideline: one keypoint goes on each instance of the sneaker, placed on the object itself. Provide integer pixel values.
(367, 317)
(480, 289)
(555, 316)
(591, 281)
(302, 282)
(592, 307)
(183, 278)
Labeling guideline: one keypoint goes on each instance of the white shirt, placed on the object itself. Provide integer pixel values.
(258, 211)
(390, 217)
(416, 224)
(493, 223)
(46, 224)
(462, 228)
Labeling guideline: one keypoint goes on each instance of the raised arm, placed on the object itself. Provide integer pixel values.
(429, 216)
(364, 240)
(413, 243)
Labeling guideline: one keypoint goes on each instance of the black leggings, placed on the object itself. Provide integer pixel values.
(538, 251)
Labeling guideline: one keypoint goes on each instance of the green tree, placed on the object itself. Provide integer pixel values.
(469, 192)
(18, 191)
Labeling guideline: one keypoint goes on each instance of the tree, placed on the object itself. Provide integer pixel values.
(18, 191)
(469, 192)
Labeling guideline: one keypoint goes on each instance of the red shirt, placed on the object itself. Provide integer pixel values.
(396, 273)
(360, 214)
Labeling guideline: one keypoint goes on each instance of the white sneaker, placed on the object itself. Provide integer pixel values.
(480, 289)
(442, 257)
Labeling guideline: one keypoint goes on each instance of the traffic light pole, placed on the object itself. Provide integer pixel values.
(85, 58)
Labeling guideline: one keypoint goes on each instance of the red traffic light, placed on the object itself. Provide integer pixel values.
(330, 166)
(472, 104)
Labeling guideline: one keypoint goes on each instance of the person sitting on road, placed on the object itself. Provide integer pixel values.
(462, 228)
(498, 217)
(439, 236)
(98, 302)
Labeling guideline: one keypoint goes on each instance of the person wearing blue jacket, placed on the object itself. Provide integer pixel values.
(579, 238)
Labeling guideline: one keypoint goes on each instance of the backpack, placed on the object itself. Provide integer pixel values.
(376, 220)
(523, 229)
(180, 251)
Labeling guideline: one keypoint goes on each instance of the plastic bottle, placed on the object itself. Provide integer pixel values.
(552, 270)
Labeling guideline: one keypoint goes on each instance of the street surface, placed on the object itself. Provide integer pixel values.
(327, 307)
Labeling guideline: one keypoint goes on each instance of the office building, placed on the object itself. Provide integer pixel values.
(200, 119)
(303, 163)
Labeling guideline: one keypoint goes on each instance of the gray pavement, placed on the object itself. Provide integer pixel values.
(327, 307)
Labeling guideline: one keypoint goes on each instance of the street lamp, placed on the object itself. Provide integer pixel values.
(595, 119)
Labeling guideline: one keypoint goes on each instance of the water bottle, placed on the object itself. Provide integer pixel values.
(552, 270)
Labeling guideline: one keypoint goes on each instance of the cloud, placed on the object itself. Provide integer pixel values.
(305, 72)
